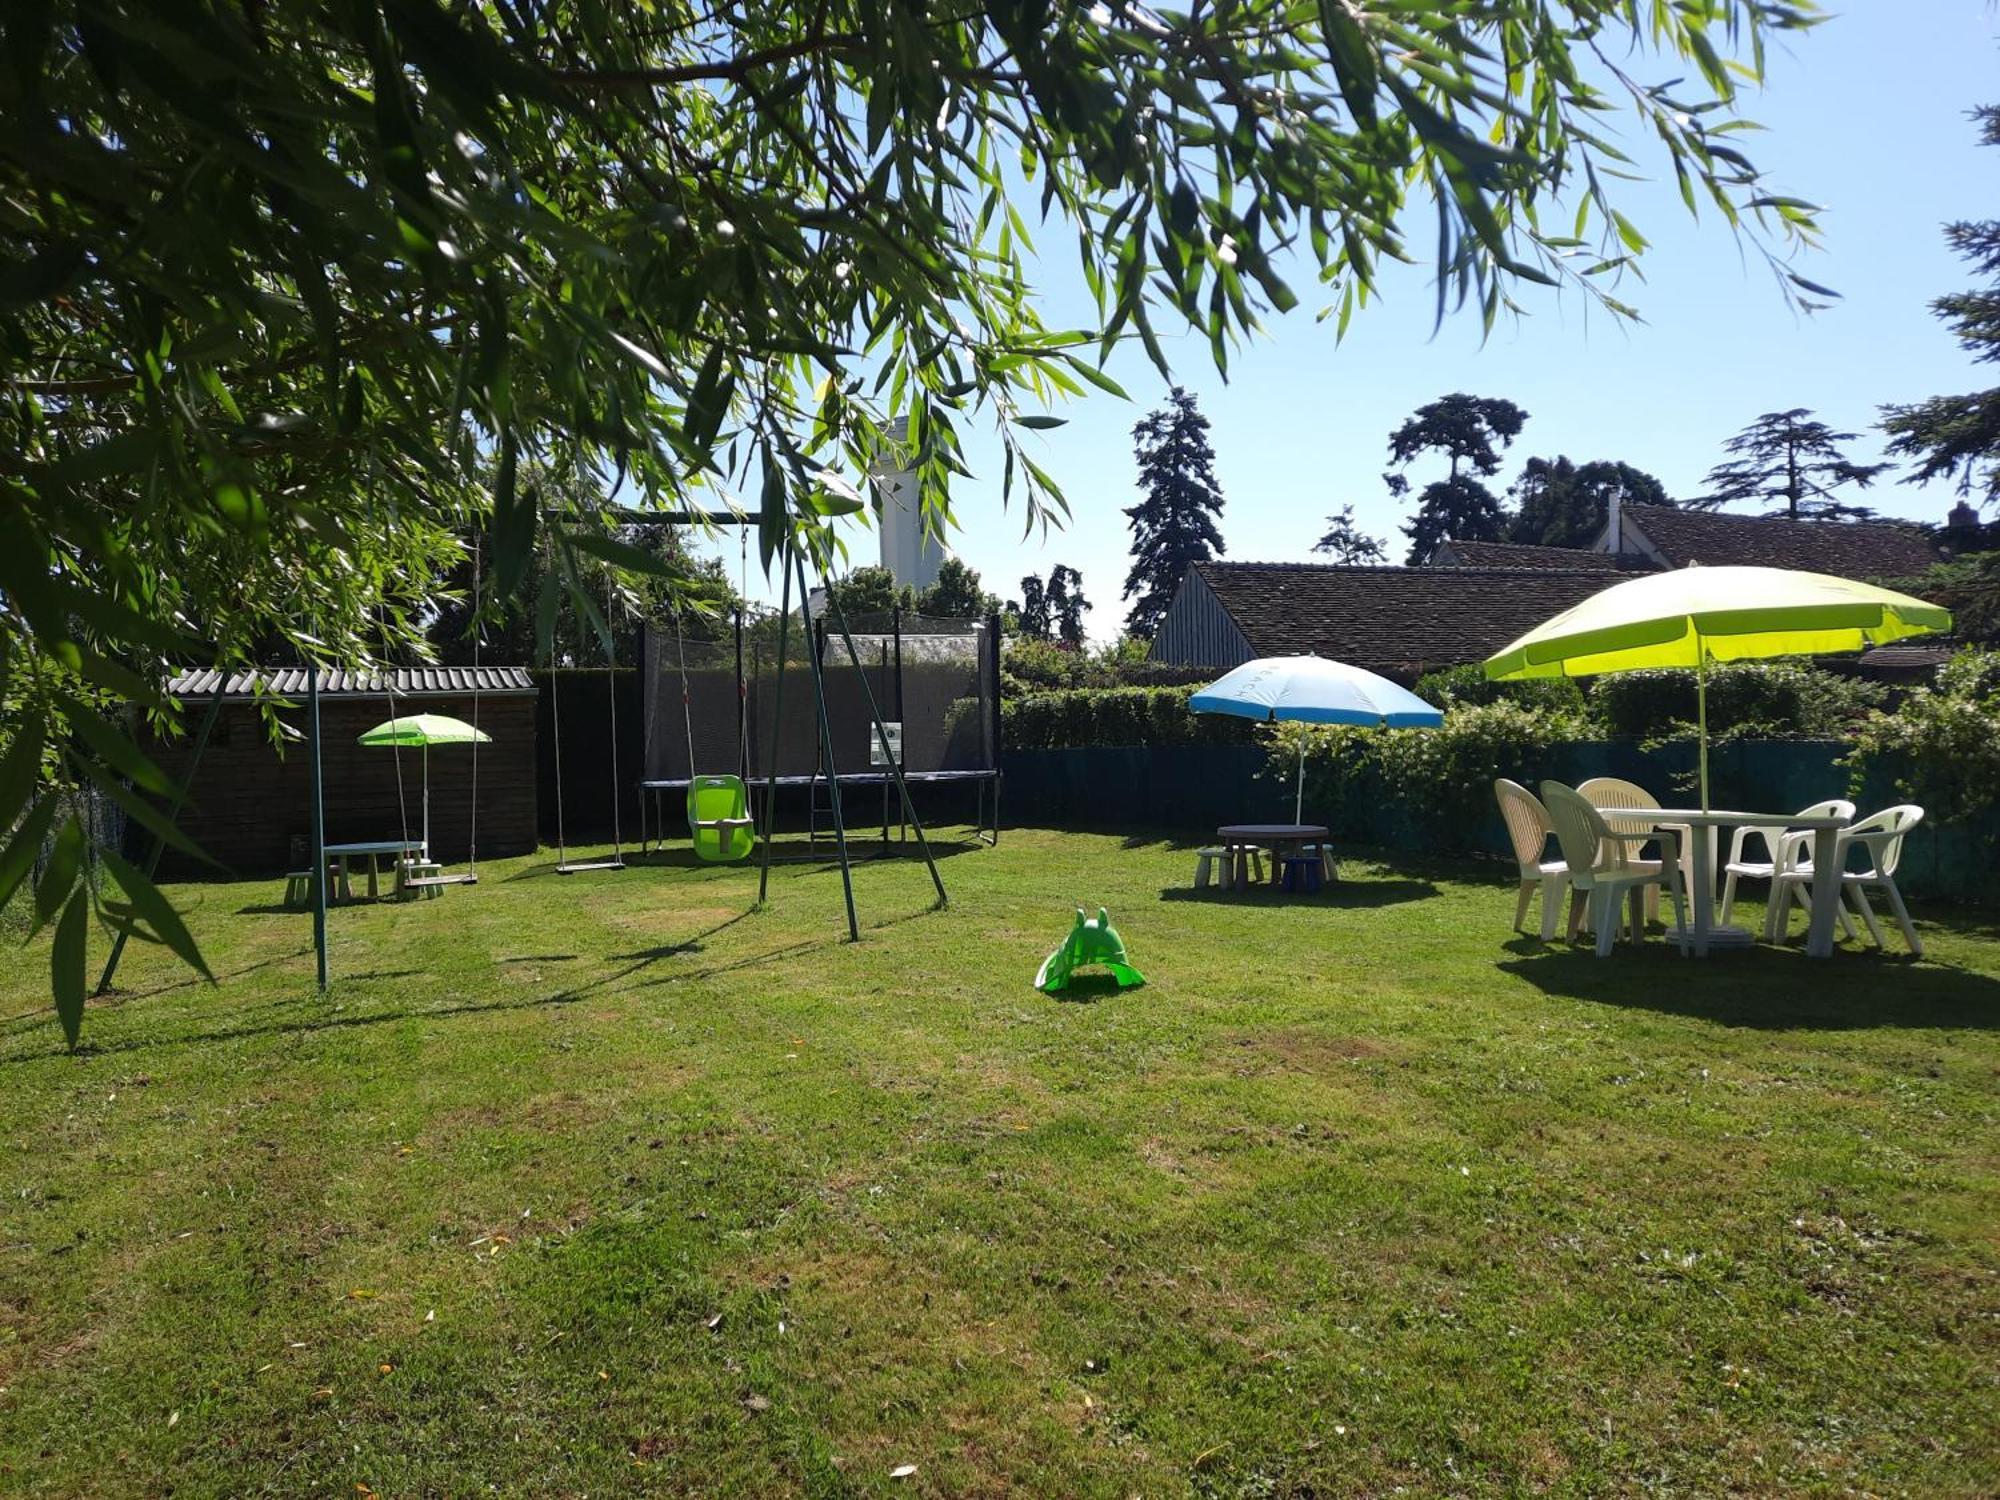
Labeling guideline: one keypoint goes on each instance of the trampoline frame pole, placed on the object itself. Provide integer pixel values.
(827, 763)
(895, 761)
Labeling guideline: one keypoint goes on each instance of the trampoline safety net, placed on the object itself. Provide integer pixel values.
(935, 682)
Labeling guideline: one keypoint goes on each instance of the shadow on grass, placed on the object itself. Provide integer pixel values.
(1764, 988)
(325, 1021)
(1337, 895)
(1088, 989)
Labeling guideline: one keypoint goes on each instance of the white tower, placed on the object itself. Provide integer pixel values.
(911, 554)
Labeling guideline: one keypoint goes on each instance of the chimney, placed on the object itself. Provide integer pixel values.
(1614, 531)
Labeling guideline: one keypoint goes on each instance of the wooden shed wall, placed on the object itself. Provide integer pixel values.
(248, 801)
(1197, 631)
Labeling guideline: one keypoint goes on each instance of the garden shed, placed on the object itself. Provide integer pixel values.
(251, 799)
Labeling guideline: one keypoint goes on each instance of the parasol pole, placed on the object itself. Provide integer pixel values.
(427, 798)
(1299, 805)
(1701, 709)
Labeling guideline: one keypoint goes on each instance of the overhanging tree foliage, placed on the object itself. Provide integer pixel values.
(281, 283)
(1958, 437)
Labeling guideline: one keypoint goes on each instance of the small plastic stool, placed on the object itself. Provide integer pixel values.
(1301, 873)
(1206, 861)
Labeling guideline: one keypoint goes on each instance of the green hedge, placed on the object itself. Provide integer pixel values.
(1114, 716)
(1774, 700)
(1469, 686)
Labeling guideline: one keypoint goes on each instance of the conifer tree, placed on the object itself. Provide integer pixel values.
(1173, 527)
(1959, 436)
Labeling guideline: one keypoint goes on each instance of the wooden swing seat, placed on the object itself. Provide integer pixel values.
(595, 864)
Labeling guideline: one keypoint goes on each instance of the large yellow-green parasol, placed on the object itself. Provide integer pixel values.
(1692, 616)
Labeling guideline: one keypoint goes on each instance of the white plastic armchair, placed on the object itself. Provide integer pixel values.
(1600, 865)
(1781, 847)
(1882, 836)
(1634, 834)
(1529, 828)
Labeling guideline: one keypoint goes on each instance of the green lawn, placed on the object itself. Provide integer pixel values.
(611, 1185)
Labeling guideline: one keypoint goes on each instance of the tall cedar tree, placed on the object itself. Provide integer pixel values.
(1174, 526)
(1067, 606)
(1959, 436)
(1789, 456)
(1031, 610)
(1052, 610)
(1348, 544)
(1561, 504)
(1472, 431)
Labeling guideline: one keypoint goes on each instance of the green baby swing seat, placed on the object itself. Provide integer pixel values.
(719, 822)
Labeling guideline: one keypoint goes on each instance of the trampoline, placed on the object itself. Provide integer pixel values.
(935, 681)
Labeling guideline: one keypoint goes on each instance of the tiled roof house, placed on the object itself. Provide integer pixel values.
(1400, 622)
(1668, 537)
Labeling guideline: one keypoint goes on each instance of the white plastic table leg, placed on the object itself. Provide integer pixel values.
(1704, 889)
(1825, 894)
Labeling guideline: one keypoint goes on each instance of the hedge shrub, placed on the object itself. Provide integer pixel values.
(1770, 700)
(1439, 780)
(1468, 686)
(1941, 748)
(1115, 716)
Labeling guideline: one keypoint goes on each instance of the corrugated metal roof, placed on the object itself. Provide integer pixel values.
(291, 682)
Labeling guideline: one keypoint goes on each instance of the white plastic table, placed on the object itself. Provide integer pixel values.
(338, 854)
(1825, 881)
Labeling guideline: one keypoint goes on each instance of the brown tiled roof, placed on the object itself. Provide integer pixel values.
(1907, 656)
(1846, 549)
(1393, 620)
(1515, 555)
(291, 682)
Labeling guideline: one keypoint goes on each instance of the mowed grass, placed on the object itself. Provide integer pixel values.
(612, 1185)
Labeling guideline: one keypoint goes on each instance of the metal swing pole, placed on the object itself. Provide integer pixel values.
(742, 708)
(777, 735)
(826, 751)
(882, 733)
(318, 831)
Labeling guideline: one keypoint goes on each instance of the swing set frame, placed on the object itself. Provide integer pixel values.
(795, 566)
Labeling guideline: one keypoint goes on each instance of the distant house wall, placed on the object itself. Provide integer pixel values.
(1197, 631)
(248, 801)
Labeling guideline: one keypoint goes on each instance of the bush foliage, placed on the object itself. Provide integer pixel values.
(1441, 778)
(1941, 748)
(1075, 717)
(1767, 700)
(1467, 686)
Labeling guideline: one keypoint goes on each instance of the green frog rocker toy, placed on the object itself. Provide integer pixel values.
(1089, 943)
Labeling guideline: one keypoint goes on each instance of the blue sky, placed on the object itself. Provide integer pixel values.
(1866, 116)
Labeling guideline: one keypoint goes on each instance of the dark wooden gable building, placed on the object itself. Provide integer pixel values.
(251, 799)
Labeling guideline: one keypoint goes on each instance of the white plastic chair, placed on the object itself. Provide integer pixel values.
(1882, 836)
(1601, 865)
(1529, 827)
(1775, 842)
(1634, 833)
